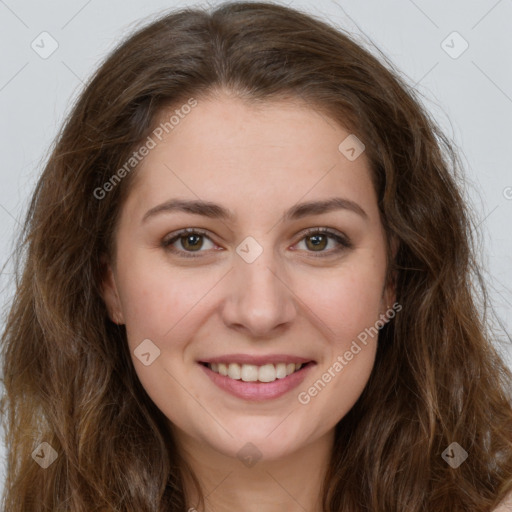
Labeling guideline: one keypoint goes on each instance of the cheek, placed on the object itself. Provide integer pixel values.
(346, 302)
(147, 312)
(156, 303)
(348, 311)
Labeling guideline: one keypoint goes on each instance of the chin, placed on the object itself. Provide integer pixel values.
(265, 438)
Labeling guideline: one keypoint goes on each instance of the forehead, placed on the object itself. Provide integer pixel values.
(250, 155)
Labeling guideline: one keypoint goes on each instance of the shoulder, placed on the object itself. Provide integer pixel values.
(505, 505)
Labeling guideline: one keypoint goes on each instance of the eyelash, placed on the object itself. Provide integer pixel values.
(343, 241)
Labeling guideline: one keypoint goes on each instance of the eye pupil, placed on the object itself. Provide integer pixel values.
(319, 241)
(188, 239)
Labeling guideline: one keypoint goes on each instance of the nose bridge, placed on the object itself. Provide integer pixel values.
(259, 299)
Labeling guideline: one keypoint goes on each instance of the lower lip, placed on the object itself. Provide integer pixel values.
(258, 391)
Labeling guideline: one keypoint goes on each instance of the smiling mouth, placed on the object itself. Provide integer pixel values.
(255, 373)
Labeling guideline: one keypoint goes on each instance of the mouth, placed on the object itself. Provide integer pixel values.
(257, 378)
(269, 372)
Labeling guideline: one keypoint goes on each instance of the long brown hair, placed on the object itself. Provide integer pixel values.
(69, 379)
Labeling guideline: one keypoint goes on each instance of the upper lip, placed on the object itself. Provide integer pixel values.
(259, 360)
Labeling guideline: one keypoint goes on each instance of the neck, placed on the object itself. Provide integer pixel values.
(292, 483)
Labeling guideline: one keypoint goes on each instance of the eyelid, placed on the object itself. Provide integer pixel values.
(168, 240)
(342, 238)
(343, 241)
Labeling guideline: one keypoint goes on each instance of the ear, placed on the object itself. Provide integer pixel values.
(109, 292)
(388, 300)
(389, 291)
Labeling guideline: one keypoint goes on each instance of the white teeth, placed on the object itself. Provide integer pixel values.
(281, 370)
(234, 371)
(267, 373)
(249, 373)
(252, 373)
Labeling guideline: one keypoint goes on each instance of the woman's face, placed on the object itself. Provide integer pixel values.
(252, 294)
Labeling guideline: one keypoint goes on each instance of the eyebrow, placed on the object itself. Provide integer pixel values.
(216, 211)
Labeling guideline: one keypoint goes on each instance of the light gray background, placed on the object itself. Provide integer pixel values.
(470, 96)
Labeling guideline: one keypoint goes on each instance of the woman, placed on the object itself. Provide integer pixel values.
(247, 286)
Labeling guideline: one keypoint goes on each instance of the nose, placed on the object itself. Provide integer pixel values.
(260, 301)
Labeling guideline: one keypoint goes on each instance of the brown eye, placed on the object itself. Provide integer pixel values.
(317, 240)
(190, 240)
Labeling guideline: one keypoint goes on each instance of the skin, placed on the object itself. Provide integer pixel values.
(257, 162)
